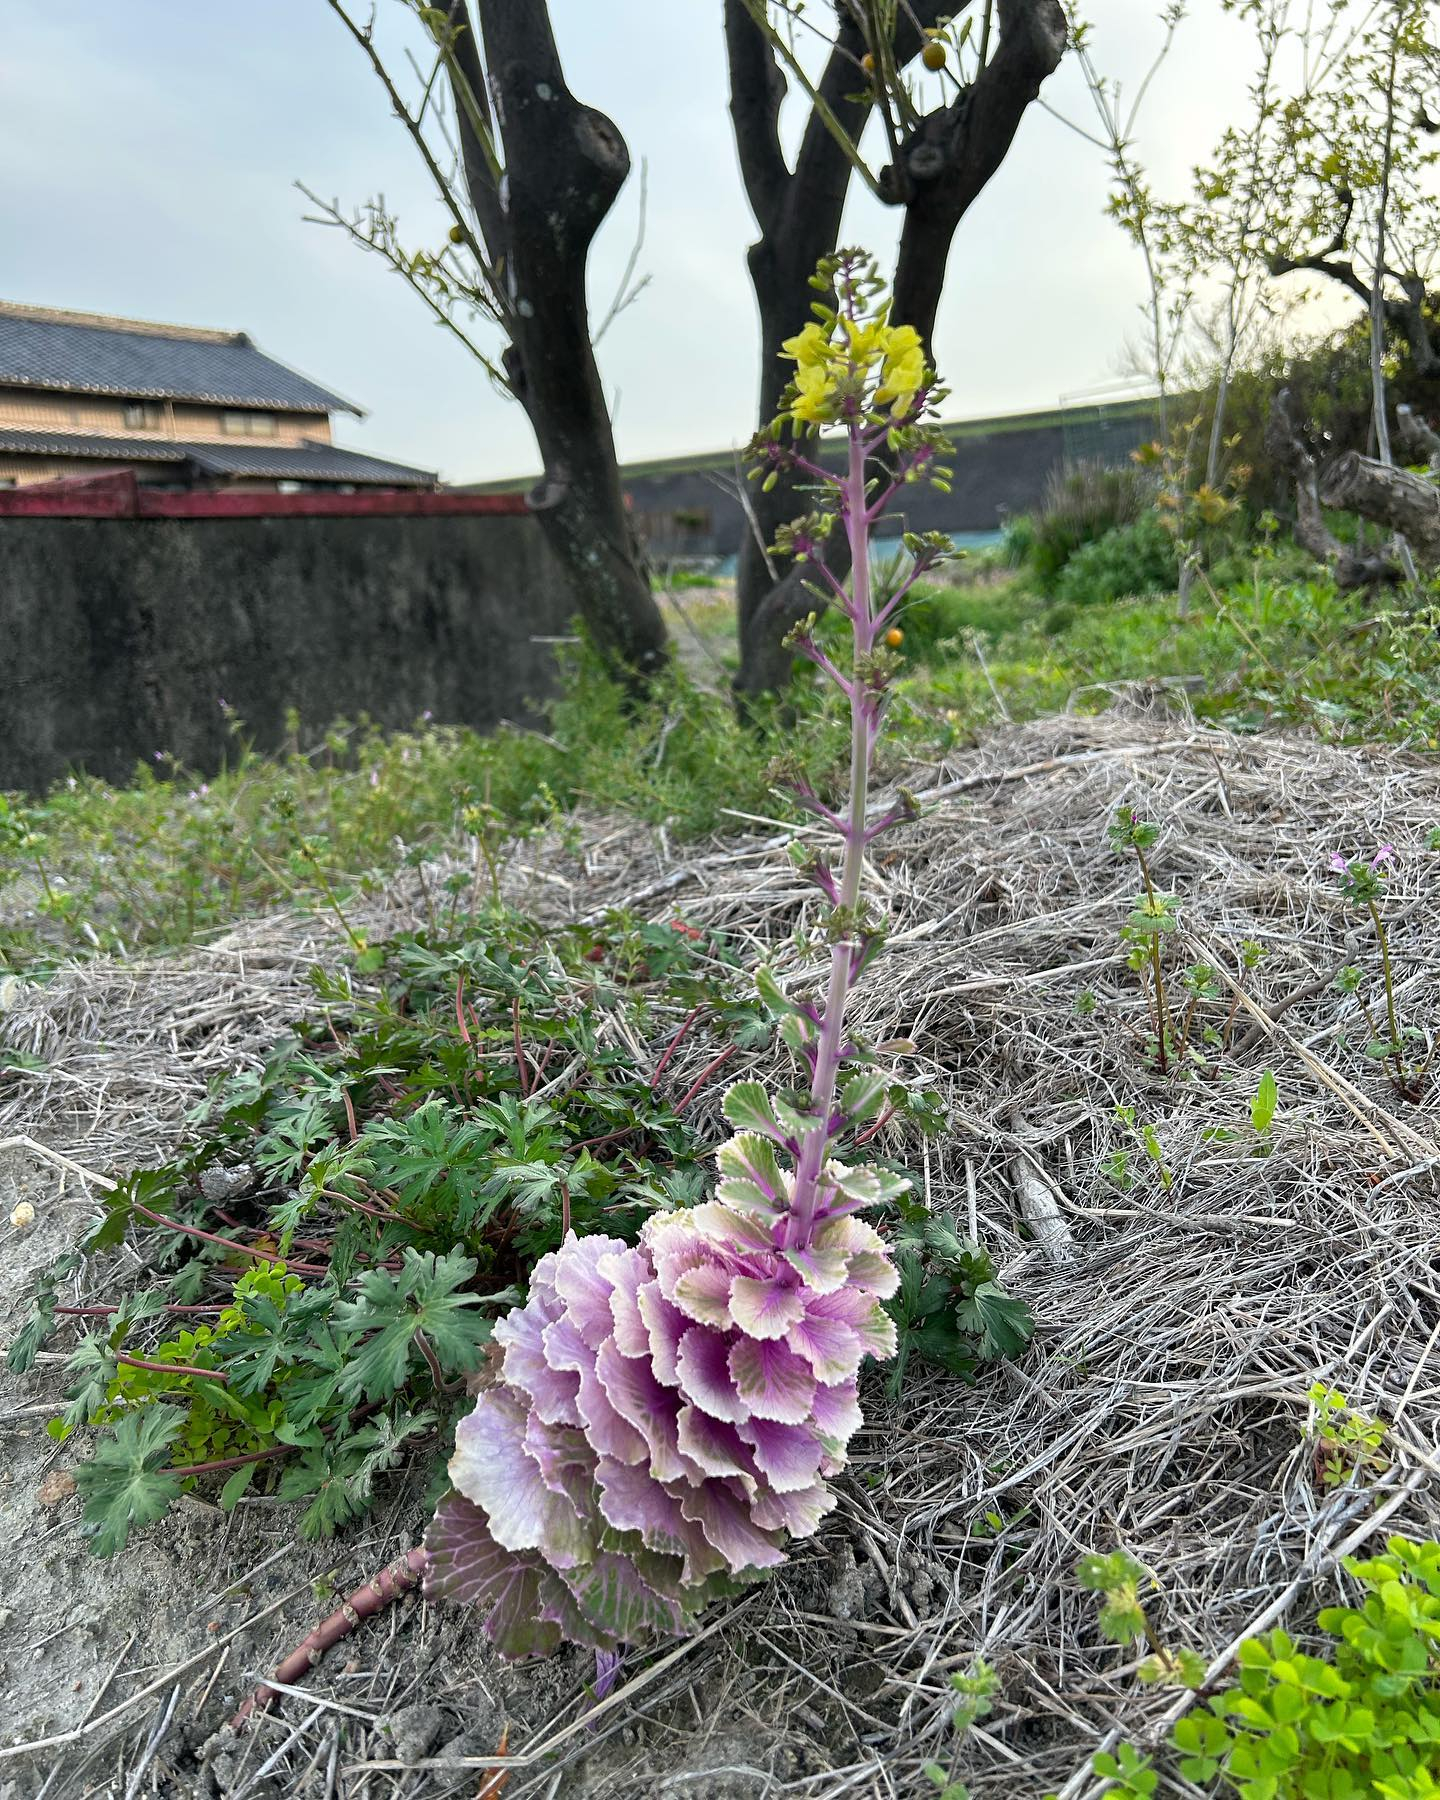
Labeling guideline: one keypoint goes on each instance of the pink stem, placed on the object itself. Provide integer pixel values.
(674, 1044)
(829, 1055)
(382, 1590)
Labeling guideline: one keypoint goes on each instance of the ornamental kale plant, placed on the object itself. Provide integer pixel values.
(658, 1420)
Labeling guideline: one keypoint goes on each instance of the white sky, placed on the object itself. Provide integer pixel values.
(150, 149)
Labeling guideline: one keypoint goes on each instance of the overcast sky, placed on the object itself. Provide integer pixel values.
(150, 149)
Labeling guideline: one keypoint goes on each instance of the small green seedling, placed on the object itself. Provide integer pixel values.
(1346, 1439)
(976, 1690)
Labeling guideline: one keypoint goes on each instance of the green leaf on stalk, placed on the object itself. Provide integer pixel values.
(747, 1106)
(1267, 1098)
(125, 1483)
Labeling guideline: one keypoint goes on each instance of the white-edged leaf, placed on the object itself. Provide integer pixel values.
(867, 1184)
(864, 1093)
(748, 1108)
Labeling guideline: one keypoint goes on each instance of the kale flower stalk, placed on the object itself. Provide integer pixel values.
(658, 1420)
(857, 371)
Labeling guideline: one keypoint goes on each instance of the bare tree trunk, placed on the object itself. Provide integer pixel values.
(565, 163)
(1405, 503)
(1352, 569)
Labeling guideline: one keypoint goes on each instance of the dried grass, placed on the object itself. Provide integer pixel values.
(1163, 1404)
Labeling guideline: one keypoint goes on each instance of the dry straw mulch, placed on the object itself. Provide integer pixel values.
(1163, 1405)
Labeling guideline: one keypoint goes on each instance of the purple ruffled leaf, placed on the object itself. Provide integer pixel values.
(665, 1325)
(830, 1346)
(611, 1593)
(735, 1232)
(703, 1365)
(525, 1365)
(465, 1564)
(721, 1509)
(703, 1294)
(630, 1501)
(772, 1380)
(766, 1307)
(631, 1388)
(492, 1467)
(798, 1514)
(609, 1434)
(713, 1446)
(787, 1455)
(584, 1290)
(822, 1271)
(626, 1270)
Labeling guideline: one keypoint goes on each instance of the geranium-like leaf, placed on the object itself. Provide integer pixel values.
(1003, 1324)
(125, 1483)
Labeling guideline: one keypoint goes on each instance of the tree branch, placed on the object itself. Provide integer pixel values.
(1285, 443)
(953, 154)
(757, 90)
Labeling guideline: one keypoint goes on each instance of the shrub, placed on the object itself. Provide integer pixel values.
(1081, 502)
(1128, 560)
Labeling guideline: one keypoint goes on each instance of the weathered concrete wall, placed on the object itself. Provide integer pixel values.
(121, 637)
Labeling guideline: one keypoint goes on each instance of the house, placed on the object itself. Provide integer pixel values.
(181, 407)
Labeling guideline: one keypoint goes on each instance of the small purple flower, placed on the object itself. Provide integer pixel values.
(1340, 865)
(1384, 856)
(427, 715)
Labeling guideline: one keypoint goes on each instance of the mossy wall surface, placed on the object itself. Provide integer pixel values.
(120, 638)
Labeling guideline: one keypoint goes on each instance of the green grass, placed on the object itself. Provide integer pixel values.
(172, 856)
(1297, 652)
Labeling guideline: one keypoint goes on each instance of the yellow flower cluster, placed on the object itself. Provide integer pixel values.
(891, 355)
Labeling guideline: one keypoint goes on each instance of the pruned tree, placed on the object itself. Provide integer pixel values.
(526, 173)
(941, 150)
(1353, 195)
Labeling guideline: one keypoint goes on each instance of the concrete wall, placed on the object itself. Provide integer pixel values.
(120, 637)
